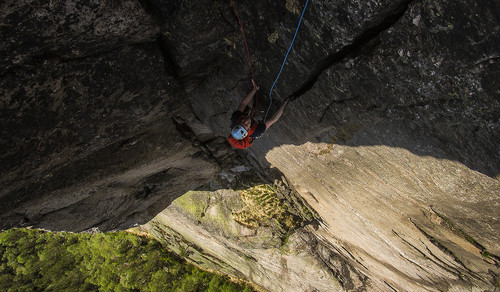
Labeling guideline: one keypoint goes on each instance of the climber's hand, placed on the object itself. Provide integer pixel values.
(255, 85)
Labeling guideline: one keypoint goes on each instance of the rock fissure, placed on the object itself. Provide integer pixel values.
(467, 237)
(391, 287)
(354, 258)
(340, 267)
(97, 225)
(448, 267)
(170, 66)
(113, 116)
(365, 42)
(490, 60)
(54, 57)
(416, 249)
(336, 102)
(448, 252)
(420, 104)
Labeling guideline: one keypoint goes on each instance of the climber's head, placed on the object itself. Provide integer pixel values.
(239, 132)
(246, 122)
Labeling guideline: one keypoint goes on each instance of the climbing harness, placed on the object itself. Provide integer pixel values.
(246, 46)
(286, 56)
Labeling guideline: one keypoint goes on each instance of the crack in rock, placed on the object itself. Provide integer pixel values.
(364, 42)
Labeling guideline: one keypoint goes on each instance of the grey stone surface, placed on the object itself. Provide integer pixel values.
(111, 110)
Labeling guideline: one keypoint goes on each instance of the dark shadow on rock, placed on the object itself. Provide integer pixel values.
(108, 137)
(431, 91)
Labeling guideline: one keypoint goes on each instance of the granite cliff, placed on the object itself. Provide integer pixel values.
(383, 173)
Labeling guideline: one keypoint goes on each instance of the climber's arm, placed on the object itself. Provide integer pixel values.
(277, 115)
(248, 98)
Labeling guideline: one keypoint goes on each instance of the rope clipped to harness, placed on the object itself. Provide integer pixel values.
(246, 46)
(284, 61)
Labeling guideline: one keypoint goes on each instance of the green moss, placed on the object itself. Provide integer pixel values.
(249, 258)
(336, 87)
(194, 203)
(221, 219)
(285, 248)
(469, 238)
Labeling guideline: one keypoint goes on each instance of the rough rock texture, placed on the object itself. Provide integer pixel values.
(111, 110)
(88, 138)
(200, 225)
(38, 30)
(410, 222)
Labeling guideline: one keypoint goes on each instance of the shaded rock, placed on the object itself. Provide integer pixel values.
(69, 29)
(111, 111)
(396, 61)
(77, 130)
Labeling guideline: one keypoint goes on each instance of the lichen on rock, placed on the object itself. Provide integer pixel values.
(113, 113)
(262, 206)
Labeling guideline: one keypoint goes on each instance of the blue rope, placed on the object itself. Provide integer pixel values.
(284, 61)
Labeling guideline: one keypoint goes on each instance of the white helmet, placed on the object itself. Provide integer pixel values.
(238, 132)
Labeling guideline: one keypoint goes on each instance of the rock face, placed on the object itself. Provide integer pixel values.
(110, 111)
(88, 134)
(202, 227)
(420, 223)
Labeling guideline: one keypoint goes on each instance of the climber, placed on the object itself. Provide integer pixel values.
(244, 128)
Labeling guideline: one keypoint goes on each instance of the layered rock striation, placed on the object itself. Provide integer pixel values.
(386, 159)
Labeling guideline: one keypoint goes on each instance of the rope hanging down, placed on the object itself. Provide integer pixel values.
(246, 46)
(286, 56)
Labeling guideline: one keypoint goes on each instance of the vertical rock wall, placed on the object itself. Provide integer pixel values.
(409, 222)
(392, 134)
(109, 111)
(88, 134)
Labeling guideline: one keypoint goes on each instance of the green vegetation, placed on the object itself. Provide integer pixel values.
(262, 205)
(195, 203)
(486, 254)
(32, 260)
